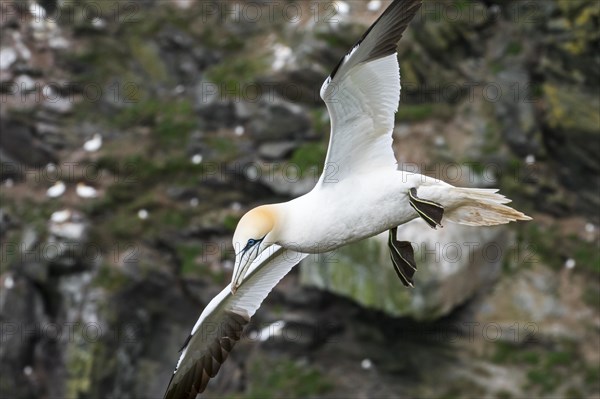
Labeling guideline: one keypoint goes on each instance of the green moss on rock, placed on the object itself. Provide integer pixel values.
(572, 110)
(285, 378)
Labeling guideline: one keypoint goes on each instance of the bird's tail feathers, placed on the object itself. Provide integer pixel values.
(482, 207)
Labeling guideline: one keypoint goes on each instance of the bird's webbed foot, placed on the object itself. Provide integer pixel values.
(431, 212)
(403, 258)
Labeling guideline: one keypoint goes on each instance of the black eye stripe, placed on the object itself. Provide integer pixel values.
(251, 243)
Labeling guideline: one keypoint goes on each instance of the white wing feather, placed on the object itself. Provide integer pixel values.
(221, 323)
(362, 95)
(361, 107)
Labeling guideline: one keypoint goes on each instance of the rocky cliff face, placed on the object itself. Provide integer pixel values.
(207, 109)
(454, 264)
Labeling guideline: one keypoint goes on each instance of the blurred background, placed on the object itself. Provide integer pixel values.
(135, 134)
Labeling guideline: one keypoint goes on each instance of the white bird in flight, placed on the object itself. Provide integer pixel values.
(361, 193)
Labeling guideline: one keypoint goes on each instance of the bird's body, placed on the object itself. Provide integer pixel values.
(360, 194)
(358, 207)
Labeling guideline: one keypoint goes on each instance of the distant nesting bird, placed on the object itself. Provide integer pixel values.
(143, 214)
(197, 159)
(341, 7)
(93, 144)
(374, 5)
(85, 191)
(56, 190)
(360, 194)
(60, 216)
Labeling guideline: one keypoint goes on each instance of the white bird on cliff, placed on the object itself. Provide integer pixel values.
(56, 190)
(361, 193)
(85, 191)
(93, 144)
(60, 216)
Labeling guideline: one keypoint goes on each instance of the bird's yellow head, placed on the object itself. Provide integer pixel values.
(253, 234)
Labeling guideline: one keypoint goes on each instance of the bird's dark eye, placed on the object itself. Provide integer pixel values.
(251, 242)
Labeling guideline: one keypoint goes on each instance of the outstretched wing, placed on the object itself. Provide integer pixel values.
(223, 320)
(362, 95)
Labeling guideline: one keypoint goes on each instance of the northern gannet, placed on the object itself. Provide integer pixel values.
(56, 190)
(197, 159)
(361, 193)
(93, 144)
(60, 216)
(143, 214)
(85, 191)
(374, 5)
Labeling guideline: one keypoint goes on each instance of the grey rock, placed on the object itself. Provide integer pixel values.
(283, 179)
(175, 38)
(181, 193)
(278, 120)
(6, 221)
(571, 129)
(205, 57)
(44, 128)
(454, 263)
(24, 84)
(7, 57)
(22, 310)
(296, 333)
(59, 105)
(21, 147)
(300, 85)
(214, 109)
(74, 228)
(31, 256)
(515, 110)
(245, 109)
(276, 150)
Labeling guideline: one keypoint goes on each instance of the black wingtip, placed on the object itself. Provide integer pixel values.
(395, 19)
(190, 380)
